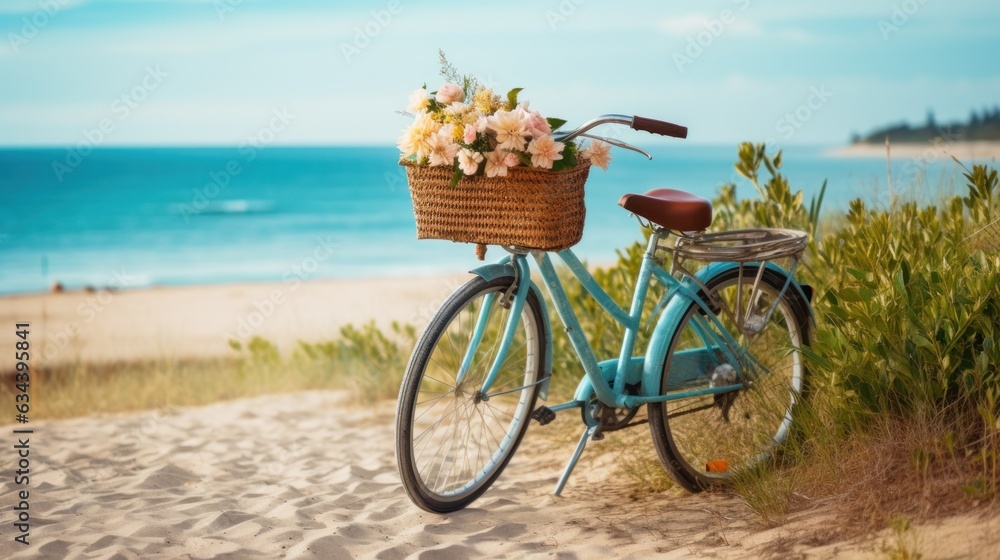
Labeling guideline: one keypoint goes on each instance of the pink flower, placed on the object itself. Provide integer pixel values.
(511, 160)
(449, 93)
(496, 163)
(537, 125)
(599, 154)
(470, 134)
(468, 161)
(442, 149)
(544, 151)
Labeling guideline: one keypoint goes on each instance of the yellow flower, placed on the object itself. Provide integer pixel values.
(416, 139)
(486, 102)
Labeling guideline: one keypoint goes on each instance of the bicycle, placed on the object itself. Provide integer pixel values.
(721, 376)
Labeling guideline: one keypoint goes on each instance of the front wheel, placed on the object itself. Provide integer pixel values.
(452, 439)
(705, 440)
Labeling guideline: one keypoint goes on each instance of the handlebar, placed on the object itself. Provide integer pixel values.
(635, 123)
(659, 127)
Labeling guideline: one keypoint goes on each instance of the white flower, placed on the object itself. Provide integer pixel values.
(509, 128)
(544, 151)
(599, 154)
(442, 149)
(418, 101)
(416, 139)
(497, 163)
(458, 109)
(468, 161)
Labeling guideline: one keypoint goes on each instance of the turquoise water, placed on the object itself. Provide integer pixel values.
(175, 216)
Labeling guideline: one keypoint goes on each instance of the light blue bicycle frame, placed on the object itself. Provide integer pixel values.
(608, 380)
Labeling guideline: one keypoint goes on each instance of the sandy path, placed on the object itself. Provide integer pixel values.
(307, 476)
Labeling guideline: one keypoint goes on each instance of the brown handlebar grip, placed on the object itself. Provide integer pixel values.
(659, 127)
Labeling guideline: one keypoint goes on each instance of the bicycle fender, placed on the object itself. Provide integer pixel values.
(673, 313)
(502, 269)
(805, 291)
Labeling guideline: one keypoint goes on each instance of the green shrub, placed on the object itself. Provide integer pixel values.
(371, 361)
(909, 325)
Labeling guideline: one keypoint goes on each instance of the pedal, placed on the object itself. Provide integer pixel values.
(544, 415)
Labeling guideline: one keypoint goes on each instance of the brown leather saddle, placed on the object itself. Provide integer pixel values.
(670, 208)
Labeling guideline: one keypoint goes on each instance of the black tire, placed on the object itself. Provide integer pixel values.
(705, 441)
(467, 428)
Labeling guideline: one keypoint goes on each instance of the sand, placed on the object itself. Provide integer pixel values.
(311, 475)
(980, 151)
(199, 321)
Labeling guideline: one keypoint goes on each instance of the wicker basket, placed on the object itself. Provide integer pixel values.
(531, 208)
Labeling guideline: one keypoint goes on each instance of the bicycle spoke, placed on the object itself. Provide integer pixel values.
(457, 442)
(737, 428)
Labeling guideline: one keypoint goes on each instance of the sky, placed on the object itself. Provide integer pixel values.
(312, 72)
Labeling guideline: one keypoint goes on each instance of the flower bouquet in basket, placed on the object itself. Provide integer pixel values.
(487, 169)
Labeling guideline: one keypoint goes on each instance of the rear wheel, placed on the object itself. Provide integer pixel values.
(452, 440)
(705, 440)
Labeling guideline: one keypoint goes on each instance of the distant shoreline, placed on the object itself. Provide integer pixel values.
(969, 151)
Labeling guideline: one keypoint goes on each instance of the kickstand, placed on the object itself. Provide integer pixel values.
(587, 434)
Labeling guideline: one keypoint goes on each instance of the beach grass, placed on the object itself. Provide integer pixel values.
(363, 360)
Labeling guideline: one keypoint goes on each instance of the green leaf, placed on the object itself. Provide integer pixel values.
(922, 341)
(512, 97)
(569, 158)
(455, 177)
(769, 166)
(555, 123)
(850, 294)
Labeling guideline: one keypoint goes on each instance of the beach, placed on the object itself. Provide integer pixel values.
(980, 151)
(191, 322)
(313, 475)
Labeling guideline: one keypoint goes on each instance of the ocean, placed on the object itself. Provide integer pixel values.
(136, 217)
